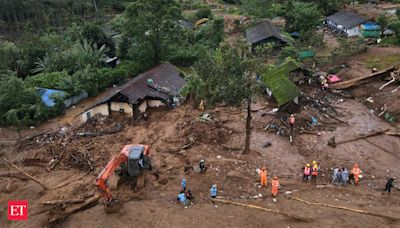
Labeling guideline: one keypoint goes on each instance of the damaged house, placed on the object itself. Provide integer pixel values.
(278, 85)
(158, 87)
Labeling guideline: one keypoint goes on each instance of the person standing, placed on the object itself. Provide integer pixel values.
(275, 186)
(213, 191)
(183, 184)
(292, 120)
(335, 175)
(356, 172)
(314, 171)
(389, 185)
(345, 176)
(202, 166)
(263, 176)
(307, 172)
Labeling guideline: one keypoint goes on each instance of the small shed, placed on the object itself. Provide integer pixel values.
(346, 22)
(370, 30)
(265, 32)
(157, 87)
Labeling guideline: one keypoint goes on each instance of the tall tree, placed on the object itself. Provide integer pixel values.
(153, 26)
(383, 21)
(230, 76)
(329, 7)
(302, 17)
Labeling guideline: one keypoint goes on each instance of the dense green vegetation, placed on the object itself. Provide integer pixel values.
(68, 52)
(65, 45)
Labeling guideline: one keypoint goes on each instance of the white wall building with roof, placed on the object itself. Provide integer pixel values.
(346, 22)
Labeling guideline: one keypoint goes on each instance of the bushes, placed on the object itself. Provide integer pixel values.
(203, 12)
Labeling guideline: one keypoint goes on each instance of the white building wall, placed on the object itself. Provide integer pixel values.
(117, 106)
(355, 31)
(143, 106)
(100, 109)
(155, 103)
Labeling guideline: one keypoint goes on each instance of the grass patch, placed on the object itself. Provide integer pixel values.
(382, 62)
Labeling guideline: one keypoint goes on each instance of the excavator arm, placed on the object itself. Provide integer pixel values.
(101, 181)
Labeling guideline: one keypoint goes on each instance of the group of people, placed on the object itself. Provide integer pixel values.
(342, 176)
(274, 183)
(185, 197)
(310, 172)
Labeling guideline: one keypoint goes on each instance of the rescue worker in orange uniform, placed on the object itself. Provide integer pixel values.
(356, 172)
(275, 186)
(263, 175)
(307, 172)
(314, 171)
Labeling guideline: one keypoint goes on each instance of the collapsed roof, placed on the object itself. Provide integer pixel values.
(276, 79)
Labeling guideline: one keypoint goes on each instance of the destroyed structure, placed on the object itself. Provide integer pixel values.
(157, 87)
(278, 85)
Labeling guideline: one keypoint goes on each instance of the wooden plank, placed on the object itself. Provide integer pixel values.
(346, 209)
(263, 209)
(25, 173)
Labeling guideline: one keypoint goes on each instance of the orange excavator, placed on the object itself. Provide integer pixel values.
(130, 165)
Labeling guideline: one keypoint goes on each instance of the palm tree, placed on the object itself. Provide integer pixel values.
(89, 54)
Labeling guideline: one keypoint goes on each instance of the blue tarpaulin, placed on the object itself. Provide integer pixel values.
(370, 26)
(46, 95)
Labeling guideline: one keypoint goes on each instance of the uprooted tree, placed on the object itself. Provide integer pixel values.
(228, 76)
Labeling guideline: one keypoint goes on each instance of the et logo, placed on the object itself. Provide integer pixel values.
(18, 210)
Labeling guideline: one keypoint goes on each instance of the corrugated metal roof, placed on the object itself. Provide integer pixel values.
(165, 76)
(263, 31)
(347, 19)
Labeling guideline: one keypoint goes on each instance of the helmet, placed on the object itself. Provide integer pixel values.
(201, 161)
(291, 115)
(214, 186)
(275, 178)
(314, 162)
(308, 165)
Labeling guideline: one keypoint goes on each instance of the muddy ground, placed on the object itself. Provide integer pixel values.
(219, 143)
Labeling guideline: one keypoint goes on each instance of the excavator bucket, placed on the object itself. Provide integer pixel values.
(113, 207)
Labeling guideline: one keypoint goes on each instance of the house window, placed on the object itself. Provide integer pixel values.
(121, 110)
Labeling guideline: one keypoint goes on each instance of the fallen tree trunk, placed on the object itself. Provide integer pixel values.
(68, 201)
(362, 137)
(72, 210)
(263, 209)
(362, 80)
(347, 209)
(25, 173)
(15, 175)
